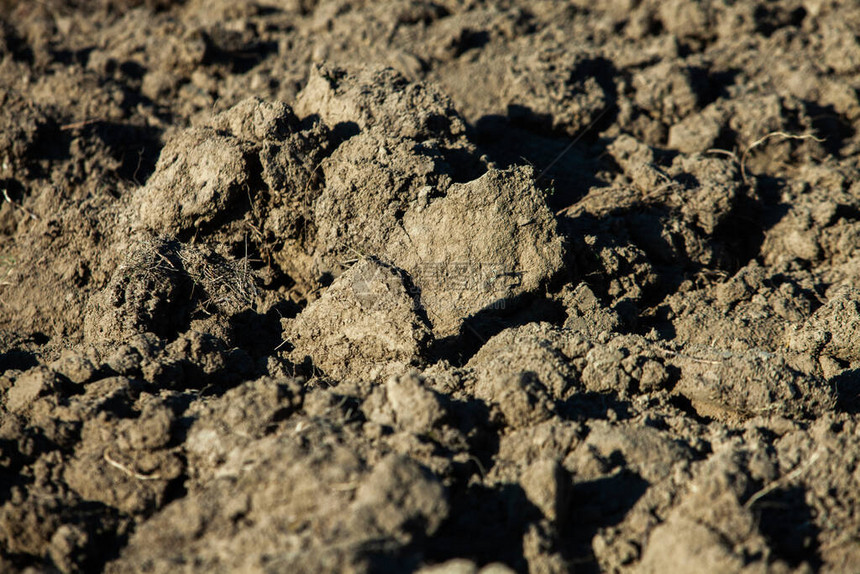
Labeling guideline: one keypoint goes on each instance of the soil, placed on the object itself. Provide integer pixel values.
(444, 287)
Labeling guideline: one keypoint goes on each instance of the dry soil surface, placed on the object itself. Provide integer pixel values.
(447, 286)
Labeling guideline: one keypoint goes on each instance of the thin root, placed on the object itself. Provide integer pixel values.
(17, 206)
(787, 479)
(763, 139)
(128, 471)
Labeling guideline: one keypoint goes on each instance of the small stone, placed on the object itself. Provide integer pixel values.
(547, 486)
(33, 384)
(416, 408)
(75, 367)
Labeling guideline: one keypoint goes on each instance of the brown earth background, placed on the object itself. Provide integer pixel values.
(450, 287)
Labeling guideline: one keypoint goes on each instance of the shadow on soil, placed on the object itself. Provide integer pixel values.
(787, 522)
(489, 322)
(598, 504)
(488, 527)
(847, 385)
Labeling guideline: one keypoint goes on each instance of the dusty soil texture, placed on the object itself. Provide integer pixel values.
(450, 286)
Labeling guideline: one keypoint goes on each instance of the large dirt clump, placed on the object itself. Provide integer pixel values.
(438, 287)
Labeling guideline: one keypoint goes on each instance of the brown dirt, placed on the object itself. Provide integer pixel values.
(452, 287)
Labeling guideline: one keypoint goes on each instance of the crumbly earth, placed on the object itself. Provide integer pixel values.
(445, 287)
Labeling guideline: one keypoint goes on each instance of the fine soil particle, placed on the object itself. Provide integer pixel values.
(452, 287)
